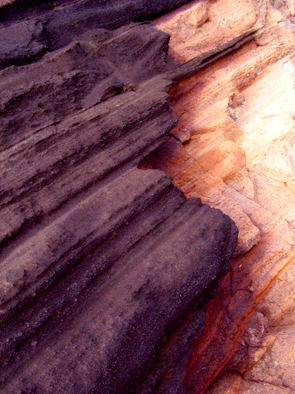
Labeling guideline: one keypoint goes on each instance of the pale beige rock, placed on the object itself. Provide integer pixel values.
(277, 366)
(201, 26)
(227, 115)
(286, 7)
(240, 158)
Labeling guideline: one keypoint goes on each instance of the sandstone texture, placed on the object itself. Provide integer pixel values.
(48, 25)
(109, 257)
(103, 265)
(234, 148)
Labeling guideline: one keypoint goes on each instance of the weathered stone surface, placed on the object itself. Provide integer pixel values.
(235, 151)
(202, 26)
(21, 41)
(103, 265)
(233, 147)
(60, 22)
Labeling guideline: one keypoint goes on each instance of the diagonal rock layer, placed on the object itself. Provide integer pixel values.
(101, 262)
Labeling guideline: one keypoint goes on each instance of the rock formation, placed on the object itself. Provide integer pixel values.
(103, 265)
(46, 25)
(108, 267)
(234, 149)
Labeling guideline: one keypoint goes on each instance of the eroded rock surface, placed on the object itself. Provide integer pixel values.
(103, 265)
(94, 248)
(59, 22)
(233, 147)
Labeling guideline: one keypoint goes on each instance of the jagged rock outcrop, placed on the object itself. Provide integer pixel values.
(103, 265)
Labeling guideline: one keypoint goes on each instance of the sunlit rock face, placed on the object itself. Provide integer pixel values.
(234, 148)
(201, 26)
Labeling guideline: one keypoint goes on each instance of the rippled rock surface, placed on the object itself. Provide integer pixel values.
(103, 265)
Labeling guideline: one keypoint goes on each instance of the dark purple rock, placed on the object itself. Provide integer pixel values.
(100, 262)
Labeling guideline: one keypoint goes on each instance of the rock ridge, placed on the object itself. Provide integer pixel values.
(103, 265)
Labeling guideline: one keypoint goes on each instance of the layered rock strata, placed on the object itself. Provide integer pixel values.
(234, 148)
(103, 265)
(46, 25)
(77, 281)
